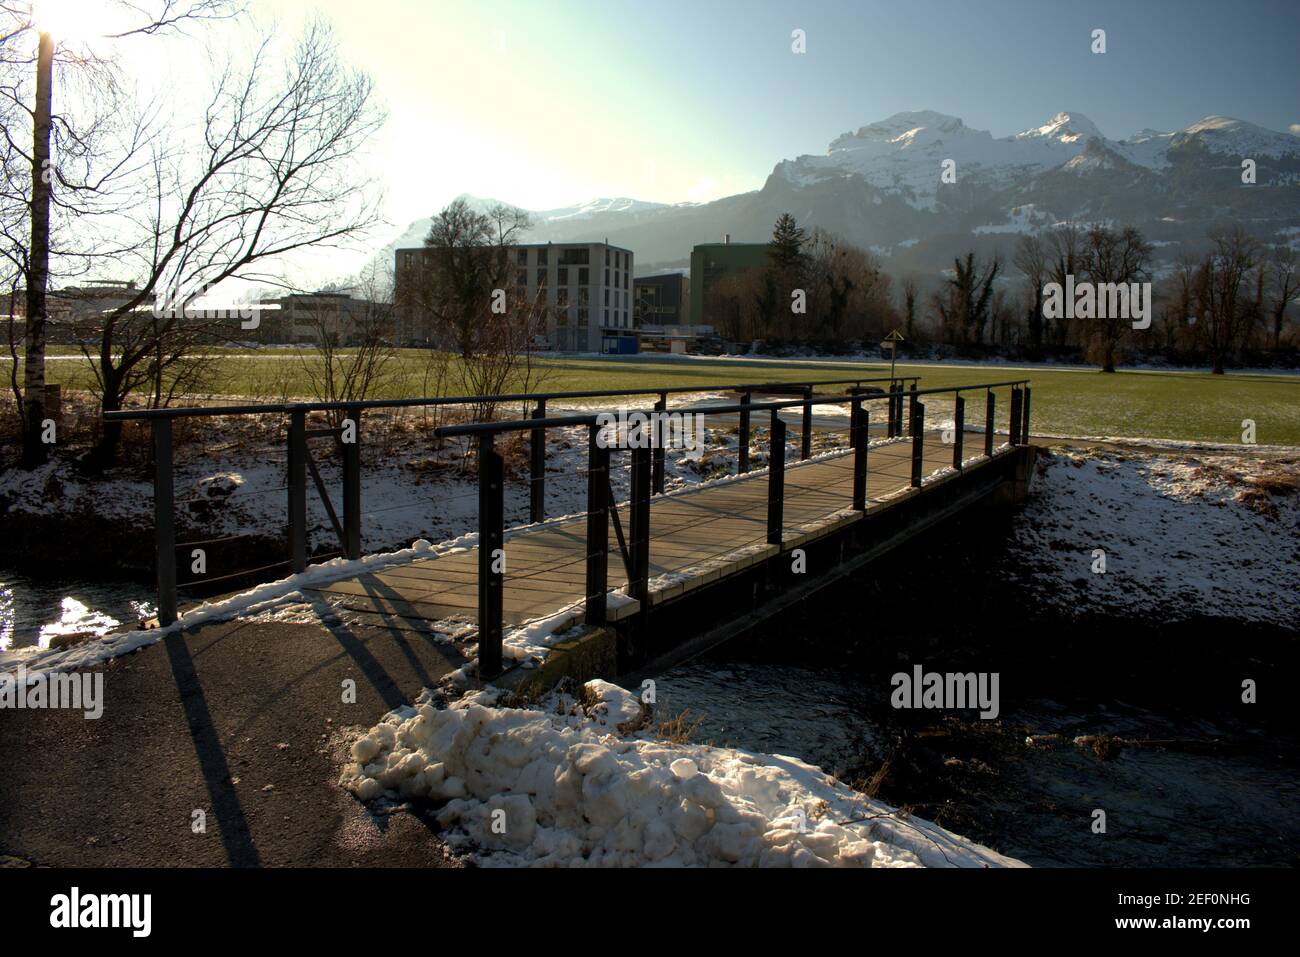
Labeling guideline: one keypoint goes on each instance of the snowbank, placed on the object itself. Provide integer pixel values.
(255, 601)
(559, 786)
(1182, 535)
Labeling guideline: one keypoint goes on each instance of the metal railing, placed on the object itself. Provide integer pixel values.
(347, 525)
(602, 509)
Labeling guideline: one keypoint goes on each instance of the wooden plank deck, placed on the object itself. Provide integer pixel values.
(696, 536)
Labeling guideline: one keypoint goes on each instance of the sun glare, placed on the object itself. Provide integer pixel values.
(76, 20)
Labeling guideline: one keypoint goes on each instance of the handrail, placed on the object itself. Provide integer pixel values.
(123, 415)
(519, 425)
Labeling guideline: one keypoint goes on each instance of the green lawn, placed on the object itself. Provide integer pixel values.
(1169, 405)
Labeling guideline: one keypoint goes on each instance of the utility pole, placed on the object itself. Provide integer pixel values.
(35, 451)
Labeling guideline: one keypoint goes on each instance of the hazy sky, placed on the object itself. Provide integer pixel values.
(548, 102)
(544, 103)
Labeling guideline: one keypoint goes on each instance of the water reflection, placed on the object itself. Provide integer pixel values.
(36, 613)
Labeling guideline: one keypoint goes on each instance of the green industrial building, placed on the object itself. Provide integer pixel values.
(711, 261)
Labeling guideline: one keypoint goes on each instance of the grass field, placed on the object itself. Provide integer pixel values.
(1066, 401)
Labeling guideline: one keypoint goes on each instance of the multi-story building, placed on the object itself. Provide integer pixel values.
(73, 312)
(306, 317)
(586, 287)
(711, 261)
(661, 300)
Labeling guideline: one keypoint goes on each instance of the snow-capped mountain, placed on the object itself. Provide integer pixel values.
(904, 153)
(881, 187)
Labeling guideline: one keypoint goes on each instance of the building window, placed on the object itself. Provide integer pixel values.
(575, 256)
(561, 296)
(583, 279)
(606, 276)
(582, 316)
(521, 278)
(563, 276)
(541, 277)
(521, 257)
(584, 295)
(606, 255)
(606, 317)
(607, 299)
(542, 256)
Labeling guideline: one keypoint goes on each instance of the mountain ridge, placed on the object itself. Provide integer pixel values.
(879, 186)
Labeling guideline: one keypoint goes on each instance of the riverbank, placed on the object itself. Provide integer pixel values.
(1120, 693)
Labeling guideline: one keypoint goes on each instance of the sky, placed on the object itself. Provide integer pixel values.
(545, 103)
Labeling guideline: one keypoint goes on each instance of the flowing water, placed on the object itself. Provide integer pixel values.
(1186, 774)
(36, 612)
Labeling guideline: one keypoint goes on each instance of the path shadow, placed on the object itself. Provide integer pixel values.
(231, 820)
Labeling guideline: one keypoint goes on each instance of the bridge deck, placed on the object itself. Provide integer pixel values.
(697, 536)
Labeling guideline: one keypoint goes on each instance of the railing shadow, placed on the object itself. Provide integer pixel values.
(231, 820)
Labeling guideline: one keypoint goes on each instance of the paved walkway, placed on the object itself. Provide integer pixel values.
(241, 720)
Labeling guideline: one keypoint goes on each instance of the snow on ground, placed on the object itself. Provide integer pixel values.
(1183, 535)
(260, 600)
(562, 785)
(408, 492)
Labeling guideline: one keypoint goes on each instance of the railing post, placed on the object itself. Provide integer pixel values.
(658, 432)
(537, 468)
(597, 526)
(918, 439)
(297, 483)
(776, 480)
(890, 407)
(1024, 419)
(859, 418)
(491, 557)
(164, 520)
(959, 428)
(1015, 415)
(352, 486)
(639, 545)
(805, 448)
(742, 464)
(989, 423)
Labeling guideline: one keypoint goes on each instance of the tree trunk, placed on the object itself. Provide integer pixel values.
(35, 451)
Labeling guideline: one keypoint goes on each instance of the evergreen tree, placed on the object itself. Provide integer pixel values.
(785, 251)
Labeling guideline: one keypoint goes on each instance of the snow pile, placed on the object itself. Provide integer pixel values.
(1181, 536)
(531, 787)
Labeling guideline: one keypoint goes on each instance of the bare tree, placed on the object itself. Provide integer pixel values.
(274, 173)
(910, 293)
(1119, 257)
(963, 304)
(1031, 259)
(466, 264)
(355, 357)
(26, 200)
(1227, 299)
(1283, 289)
(1064, 252)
